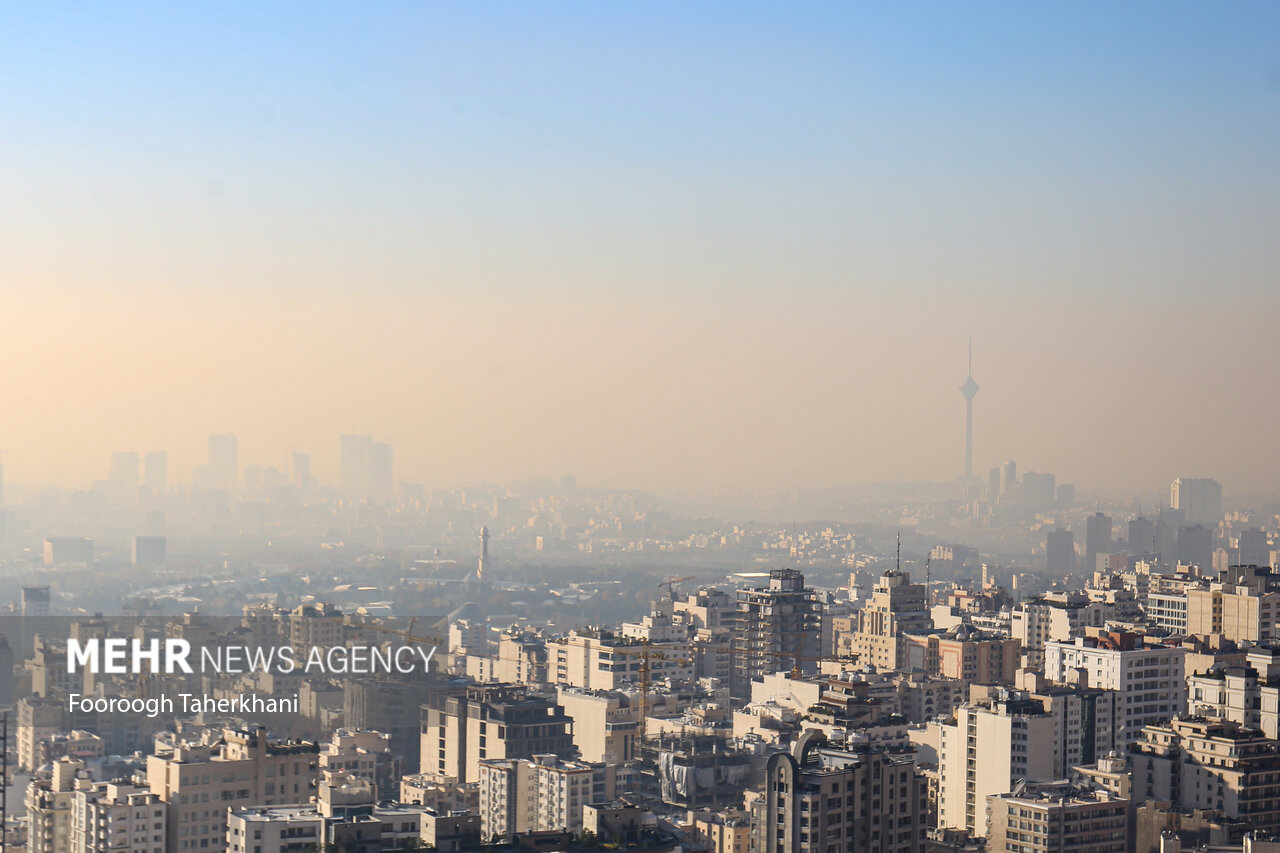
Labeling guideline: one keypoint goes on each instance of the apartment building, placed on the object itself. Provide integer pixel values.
(199, 781)
(779, 627)
(599, 659)
(1055, 616)
(107, 817)
(1151, 678)
(1248, 693)
(822, 799)
(541, 794)
(962, 652)
(1196, 763)
(1055, 818)
(49, 807)
(605, 723)
(992, 745)
(896, 607)
(461, 728)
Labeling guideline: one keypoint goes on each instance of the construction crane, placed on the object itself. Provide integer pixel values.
(404, 635)
(646, 654)
(671, 582)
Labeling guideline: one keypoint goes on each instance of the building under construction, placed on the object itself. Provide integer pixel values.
(779, 627)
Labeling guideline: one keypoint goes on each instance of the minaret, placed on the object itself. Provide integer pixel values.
(970, 390)
(484, 553)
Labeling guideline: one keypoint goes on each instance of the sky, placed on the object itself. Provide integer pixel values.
(683, 247)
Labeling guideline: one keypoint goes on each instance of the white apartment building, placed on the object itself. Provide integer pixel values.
(1056, 616)
(1152, 679)
(108, 817)
(275, 829)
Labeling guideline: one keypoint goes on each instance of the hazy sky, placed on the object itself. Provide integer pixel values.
(676, 246)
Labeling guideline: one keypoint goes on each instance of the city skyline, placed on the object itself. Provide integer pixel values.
(765, 241)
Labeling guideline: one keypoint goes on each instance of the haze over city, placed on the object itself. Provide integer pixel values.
(682, 250)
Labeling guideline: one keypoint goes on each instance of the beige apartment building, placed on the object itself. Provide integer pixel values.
(896, 607)
(49, 807)
(108, 817)
(198, 782)
(1218, 765)
(542, 794)
(1150, 678)
(599, 659)
(606, 723)
(962, 652)
(1242, 606)
(986, 751)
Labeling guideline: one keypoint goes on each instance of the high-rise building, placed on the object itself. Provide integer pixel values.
(821, 798)
(107, 817)
(1066, 496)
(149, 551)
(1060, 552)
(896, 607)
(1054, 816)
(599, 659)
(60, 550)
(1087, 719)
(1142, 536)
(1242, 606)
(993, 484)
(605, 723)
(1151, 678)
(1252, 548)
(223, 467)
(992, 744)
(156, 472)
(49, 804)
(1097, 539)
(1195, 547)
(314, 626)
(1009, 481)
(463, 727)
(1039, 491)
(779, 627)
(1200, 500)
(301, 465)
(367, 468)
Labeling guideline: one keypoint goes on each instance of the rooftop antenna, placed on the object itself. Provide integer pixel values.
(897, 562)
(928, 577)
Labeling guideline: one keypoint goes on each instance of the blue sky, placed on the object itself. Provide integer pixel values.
(947, 168)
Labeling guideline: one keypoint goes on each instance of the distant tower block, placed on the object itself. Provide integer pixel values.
(484, 553)
(970, 390)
